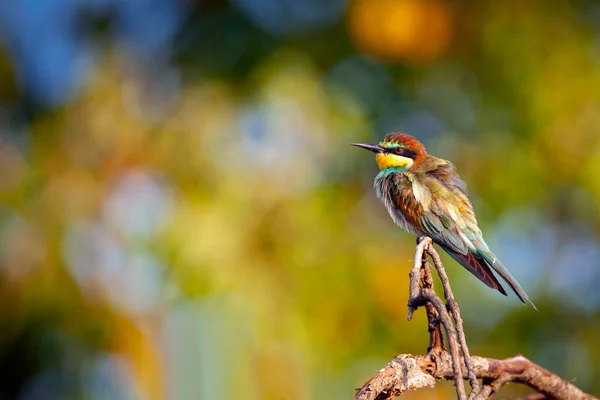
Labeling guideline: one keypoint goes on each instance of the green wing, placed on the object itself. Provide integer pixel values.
(450, 235)
(450, 222)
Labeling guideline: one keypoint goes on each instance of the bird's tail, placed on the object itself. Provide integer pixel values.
(483, 264)
(490, 259)
(478, 267)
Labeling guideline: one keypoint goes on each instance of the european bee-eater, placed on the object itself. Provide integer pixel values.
(424, 195)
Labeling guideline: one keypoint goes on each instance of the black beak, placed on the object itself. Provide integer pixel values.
(375, 148)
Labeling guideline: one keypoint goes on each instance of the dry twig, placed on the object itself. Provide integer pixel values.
(455, 311)
(409, 372)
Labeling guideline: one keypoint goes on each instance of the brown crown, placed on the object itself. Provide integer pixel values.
(407, 141)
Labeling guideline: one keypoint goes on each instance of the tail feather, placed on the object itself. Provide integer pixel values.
(483, 265)
(493, 262)
(478, 267)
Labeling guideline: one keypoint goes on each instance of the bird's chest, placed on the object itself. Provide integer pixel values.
(398, 194)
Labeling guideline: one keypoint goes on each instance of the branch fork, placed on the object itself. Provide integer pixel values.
(410, 372)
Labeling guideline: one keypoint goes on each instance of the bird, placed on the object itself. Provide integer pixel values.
(425, 196)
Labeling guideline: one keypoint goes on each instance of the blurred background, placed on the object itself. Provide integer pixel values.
(181, 216)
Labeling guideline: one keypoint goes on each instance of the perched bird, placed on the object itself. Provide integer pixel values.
(424, 195)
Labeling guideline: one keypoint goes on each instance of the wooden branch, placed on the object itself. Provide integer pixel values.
(402, 374)
(455, 311)
(421, 272)
(409, 372)
(429, 296)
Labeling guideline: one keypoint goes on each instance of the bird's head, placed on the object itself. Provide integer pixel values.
(399, 151)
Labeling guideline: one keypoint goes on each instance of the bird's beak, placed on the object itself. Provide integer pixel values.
(375, 148)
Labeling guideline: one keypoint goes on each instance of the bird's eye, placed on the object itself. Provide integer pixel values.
(398, 150)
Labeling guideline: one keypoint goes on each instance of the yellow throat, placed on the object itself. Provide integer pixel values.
(387, 160)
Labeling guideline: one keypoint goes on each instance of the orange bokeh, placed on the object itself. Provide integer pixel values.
(413, 31)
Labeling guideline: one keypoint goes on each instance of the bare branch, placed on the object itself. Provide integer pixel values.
(421, 272)
(402, 376)
(409, 372)
(455, 311)
(415, 273)
(426, 295)
(533, 396)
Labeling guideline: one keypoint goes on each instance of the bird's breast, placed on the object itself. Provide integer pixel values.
(396, 192)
